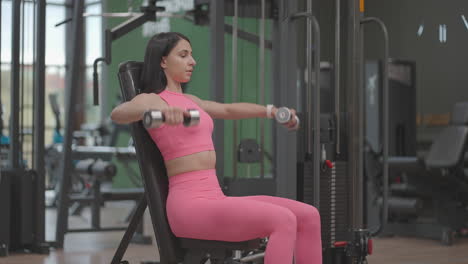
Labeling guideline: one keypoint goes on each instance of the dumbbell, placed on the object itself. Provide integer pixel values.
(155, 118)
(283, 116)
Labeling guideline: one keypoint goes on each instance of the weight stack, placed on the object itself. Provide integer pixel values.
(334, 201)
(334, 204)
(306, 189)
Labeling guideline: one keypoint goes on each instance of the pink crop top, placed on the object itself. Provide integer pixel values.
(178, 141)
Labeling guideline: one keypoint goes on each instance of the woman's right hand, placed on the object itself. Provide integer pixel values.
(174, 116)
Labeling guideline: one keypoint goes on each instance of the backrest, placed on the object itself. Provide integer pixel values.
(449, 148)
(152, 168)
(460, 114)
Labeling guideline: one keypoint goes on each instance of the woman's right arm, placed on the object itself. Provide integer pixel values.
(133, 110)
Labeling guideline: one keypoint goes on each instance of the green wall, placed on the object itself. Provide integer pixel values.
(132, 47)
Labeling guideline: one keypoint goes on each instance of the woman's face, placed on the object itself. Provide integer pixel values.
(179, 63)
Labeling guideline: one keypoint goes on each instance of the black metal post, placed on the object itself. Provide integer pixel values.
(15, 85)
(39, 122)
(355, 115)
(114, 34)
(285, 95)
(313, 97)
(337, 73)
(385, 118)
(217, 76)
(1, 106)
(132, 226)
(316, 111)
(96, 205)
(72, 89)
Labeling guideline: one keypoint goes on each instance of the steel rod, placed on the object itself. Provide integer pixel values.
(14, 161)
(337, 73)
(262, 86)
(39, 120)
(235, 83)
(72, 89)
(385, 113)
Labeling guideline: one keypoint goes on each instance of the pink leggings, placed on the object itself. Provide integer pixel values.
(197, 208)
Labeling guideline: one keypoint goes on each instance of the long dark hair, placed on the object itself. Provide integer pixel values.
(153, 78)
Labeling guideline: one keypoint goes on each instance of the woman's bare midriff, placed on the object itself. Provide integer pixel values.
(204, 160)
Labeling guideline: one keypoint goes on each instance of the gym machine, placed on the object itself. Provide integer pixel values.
(330, 161)
(69, 152)
(330, 186)
(427, 192)
(23, 184)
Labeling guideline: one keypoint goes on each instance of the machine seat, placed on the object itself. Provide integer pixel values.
(448, 149)
(411, 165)
(189, 243)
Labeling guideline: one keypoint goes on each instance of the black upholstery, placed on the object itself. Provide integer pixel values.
(449, 148)
(153, 171)
(460, 114)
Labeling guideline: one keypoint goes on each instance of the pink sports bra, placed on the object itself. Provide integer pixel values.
(178, 141)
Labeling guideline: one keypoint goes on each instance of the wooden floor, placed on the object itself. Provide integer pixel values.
(417, 251)
(99, 248)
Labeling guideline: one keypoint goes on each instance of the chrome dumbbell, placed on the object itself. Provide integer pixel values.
(155, 118)
(284, 115)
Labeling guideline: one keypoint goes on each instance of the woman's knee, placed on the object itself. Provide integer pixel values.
(310, 216)
(314, 213)
(285, 220)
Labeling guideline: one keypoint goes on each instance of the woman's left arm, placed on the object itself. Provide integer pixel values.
(238, 110)
(232, 111)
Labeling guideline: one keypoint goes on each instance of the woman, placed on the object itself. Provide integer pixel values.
(196, 206)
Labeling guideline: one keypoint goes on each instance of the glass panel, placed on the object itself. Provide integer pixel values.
(6, 32)
(93, 34)
(93, 51)
(55, 36)
(434, 37)
(55, 85)
(58, 2)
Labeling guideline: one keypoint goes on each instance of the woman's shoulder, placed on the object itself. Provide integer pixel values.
(147, 96)
(194, 98)
(148, 99)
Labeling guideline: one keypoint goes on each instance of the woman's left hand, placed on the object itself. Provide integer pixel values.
(291, 125)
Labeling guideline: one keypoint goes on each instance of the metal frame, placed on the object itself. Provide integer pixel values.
(1, 110)
(1, 102)
(385, 118)
(74, 77)
(15, 86)
(284, 84)
(29, 185)
(217, 77)
(352, 71)
(76, 48)
(261, 70)
(313, 92)
(337, 73)
(149, 14)
(39, 122)
(235, 87)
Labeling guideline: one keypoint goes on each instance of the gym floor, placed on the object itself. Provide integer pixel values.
(99, 248)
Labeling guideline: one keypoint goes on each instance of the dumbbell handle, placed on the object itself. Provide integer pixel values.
(155, 118)
(283, 115)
